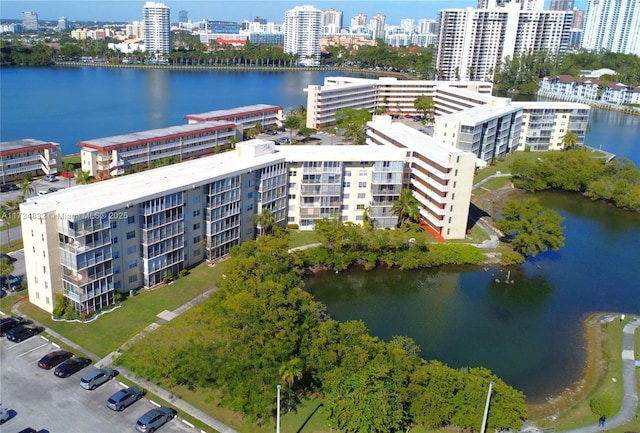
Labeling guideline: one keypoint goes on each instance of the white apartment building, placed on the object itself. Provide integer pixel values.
(28, 156)
(394, 96)
(89, 242)
(134, 30)
(487, 131)
(343, 182)
(544, 124)
(377, 24)
(157, 28)
(441, 176)
(112, 156)
(588, 90)
(30, 21)
(612, 25)
(331, 21)
(473, 43)
(302, 30)
(248, 116)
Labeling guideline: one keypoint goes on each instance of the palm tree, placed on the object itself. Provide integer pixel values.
(569, 140)
(289, 372)
(264, 220)
(84, 177)
(367, 222)
(406, 207)
(25, 186)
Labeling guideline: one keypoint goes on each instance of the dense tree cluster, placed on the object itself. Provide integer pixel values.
(17, 54)
(617, 182)
(261, 329)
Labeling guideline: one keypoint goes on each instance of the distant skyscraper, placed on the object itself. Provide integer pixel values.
(408, 24)
(561, 5)
(613, 25)
(157, 28)
(183, 16)
(525, 5)
(30, 21)
(62, 24)
(260, 20)
(302, 26)
(473, 43)
(359, 20)
(426, 26)
(377, 25)
(332, 17)
(578, 19)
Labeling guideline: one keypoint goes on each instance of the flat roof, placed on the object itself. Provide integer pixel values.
(416, 141)
(343, 153)
(24, 145)
(125, 140)
(551, 104)
(478, 114)
(232, 112)
(134, 188)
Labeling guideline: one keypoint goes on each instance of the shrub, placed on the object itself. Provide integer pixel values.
(184, 273)
(601, 405)
(293, 226)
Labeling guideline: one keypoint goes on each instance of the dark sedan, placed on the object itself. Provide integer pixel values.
(22, 332)
(9, 323)
(71, 366)
(54, 358)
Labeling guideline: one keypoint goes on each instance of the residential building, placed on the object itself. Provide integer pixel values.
(473, 43)
(394, 96)
(426, 26)
(28, 157)
(544, 124)
(378, 25)
(589, 90)
(248, 116)
(331, 21)
(112, 156)
(302, 26)
(612, 25)
(344, 182)
(90, 242)
(30, 21)
(62, 25)
(134, 30)
(441, 176)
(157, 28)
(359, 20)
(561, 5)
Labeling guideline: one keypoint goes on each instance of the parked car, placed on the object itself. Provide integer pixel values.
(23, 332)
(9, 323)
(11, 282)
(271, 132)
(97, 377)
(155, 418)
(4, 414)
(54, 358)
(13, 187)
(71, 366)
(43, 192)
(28, 430)
(283, 140)
(124, 398)
(53, 189)
(50, 178)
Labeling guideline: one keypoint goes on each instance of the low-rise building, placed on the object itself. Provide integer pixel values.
(28, 157)
(269, 116)
(441, 176)
(112, 156)
(589, 90)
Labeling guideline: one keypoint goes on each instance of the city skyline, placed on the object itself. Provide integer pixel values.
(237, 10)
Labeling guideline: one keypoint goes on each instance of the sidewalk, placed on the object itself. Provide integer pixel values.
(163, 317)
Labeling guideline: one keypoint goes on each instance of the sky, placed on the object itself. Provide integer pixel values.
(229, 10)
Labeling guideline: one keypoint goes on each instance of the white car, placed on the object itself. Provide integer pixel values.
(4, 414)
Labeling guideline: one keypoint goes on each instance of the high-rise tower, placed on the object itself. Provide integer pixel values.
(302, 26)
(157, 28)
(613, 25)
(30, 21)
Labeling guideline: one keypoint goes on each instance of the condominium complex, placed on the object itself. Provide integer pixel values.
(269, 116)
(544, 124)
(589, 90)
(92, 241)
(112, 156)
(612, 25)
(28, 157)
(302, 26)
(388, 93)
(441, 176)
(157, 28)
(473, 43)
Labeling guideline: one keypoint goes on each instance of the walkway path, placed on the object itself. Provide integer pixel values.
(163, 317)
(630, 387)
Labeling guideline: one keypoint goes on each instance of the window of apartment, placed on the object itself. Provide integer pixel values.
(362, 184)
(196, 226)
(196, 212)
(360, 207)
(42, 237)
(455, 173)
(196, 199)
(47, 300)
(44, 269)
(114, 240)
(46, 284)
(196, 253)
(347, 173)
(131, 219)
(361, 195)
(116, 269)
(133, 278)
(196, 239)
(292, 185)
(116, 255)
(449, 220)
(362, 173)
(44, 254)
(37, 295)
(346, 184)
(31, 232)
(292, 196)
(34, 249)
(131, 249)
(345, 207)
(131, 235)
(132, 264)
(293, 172)
(250, 207)
(35, 280)
(117, 285)
(114, 225)
(345, 196)
(454, 183)
(451, 208)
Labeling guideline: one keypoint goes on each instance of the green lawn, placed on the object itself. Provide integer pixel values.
(298, 238)
(503, 165)
(111, 330)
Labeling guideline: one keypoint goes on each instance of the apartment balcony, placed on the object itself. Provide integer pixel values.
(118, 163)
(430, 194)
(117, 172)
(83, 277)
(103, 158)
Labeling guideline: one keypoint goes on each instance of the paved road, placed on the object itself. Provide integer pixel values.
(630, 399)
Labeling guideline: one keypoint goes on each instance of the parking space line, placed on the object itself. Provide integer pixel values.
(29, 351)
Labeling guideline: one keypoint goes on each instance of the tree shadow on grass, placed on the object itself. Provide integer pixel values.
(306, 421)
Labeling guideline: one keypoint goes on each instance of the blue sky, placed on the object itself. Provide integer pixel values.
(229, 10)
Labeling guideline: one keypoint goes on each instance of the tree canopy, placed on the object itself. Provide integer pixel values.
(406, 208)
(353, 122)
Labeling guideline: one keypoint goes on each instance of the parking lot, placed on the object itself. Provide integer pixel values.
(38, 399)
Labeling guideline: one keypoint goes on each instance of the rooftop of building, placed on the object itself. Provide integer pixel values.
(415, 140)
(135, 138)
(233, 112)
(24, 145)
(342, 153)
(116, 193)
(556, 105)
(479, 114)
